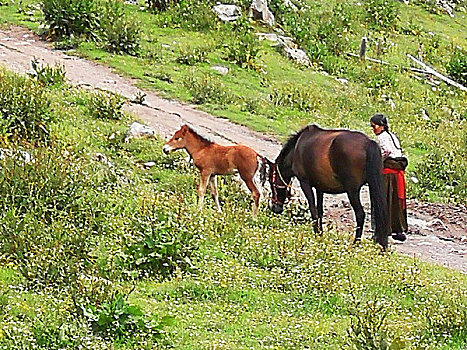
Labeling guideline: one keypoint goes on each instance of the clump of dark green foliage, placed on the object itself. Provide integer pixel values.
(24, 108)
(103, 21)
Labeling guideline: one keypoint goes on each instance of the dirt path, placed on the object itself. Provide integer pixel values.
(438, 232)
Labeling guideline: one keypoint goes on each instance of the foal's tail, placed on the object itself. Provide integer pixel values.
(374, 165)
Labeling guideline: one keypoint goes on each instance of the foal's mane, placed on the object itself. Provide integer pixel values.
(203, 139)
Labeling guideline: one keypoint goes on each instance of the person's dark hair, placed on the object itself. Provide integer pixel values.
(380, 119)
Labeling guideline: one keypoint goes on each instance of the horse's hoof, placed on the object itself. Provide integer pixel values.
(399, 236)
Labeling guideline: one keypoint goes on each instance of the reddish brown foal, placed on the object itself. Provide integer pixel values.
(212, 159)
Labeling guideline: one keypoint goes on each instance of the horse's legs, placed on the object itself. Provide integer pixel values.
(254, 193)
(203, 183)
(319, 207)
(215, 195)
(310, 197)
(354, 198)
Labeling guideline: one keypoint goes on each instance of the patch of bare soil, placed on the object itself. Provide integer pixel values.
(438, 232)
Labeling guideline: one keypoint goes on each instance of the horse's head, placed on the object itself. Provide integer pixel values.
(177, 141)
(281, 190)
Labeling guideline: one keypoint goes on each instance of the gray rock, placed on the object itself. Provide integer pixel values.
(259, 10)
(138, 130)
(227, 13)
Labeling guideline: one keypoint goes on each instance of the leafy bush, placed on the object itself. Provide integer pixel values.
(70, 17)
(207, 89)
(106, 105)
(47, 75)
(118, 33)
(321, 36)
(242, 46)
(368, 329)
(382, 14)
(24, 108)
(36, 197)
(159, 5)
(192, 56)
(193, 15)
(457, 67)
(293, 96)
(162, 245)
(103, 21)
(443, 170)
(381, 79)
(116, 319)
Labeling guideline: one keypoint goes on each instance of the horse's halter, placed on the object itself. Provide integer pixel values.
(288, 186)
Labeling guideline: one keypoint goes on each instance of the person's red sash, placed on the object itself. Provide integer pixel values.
(400, 179)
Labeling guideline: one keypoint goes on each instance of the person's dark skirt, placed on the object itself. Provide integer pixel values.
(397, 209)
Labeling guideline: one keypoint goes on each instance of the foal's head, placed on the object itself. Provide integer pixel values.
(177, 141)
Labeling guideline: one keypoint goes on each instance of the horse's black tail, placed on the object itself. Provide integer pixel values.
(374, 165)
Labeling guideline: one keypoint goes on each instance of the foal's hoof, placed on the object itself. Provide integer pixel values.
(399, 236)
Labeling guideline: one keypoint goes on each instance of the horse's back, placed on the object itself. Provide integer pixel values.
(331, 159)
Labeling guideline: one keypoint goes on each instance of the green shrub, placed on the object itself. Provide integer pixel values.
(443, 170)
(207, 89)
(118, 33)
(368, 323)
(50, 210)
(382, 14)
(195, 15)
(47, 75)
(162, 244)
(446, 317)
(159, 5)
(106, 106)
(116, 319)
(457, 67)
(242, 47)
(381, 79)
(70, 17)
(293, 96)
(24, 108)
(190, 56)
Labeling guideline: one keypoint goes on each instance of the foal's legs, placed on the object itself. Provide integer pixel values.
(203, 183)
(215, 195)
(310, 197)
(354, 198)
(254, 192)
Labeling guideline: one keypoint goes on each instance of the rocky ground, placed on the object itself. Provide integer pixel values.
(438, 232)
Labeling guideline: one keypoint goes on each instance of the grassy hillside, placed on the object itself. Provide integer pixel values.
(97, 253)
(173, 52)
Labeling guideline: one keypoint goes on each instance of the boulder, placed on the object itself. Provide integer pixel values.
(259, 10)
(138, 130)
(298, 55)
(227, 13)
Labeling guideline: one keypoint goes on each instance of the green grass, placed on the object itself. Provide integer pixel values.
(251, 284)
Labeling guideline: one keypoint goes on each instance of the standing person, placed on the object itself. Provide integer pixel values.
(393, 176)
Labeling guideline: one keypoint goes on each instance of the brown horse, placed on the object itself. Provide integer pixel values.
(331, 161)
(212, 159)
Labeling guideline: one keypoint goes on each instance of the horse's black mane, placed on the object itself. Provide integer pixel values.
(290, 143)
(201, 137)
